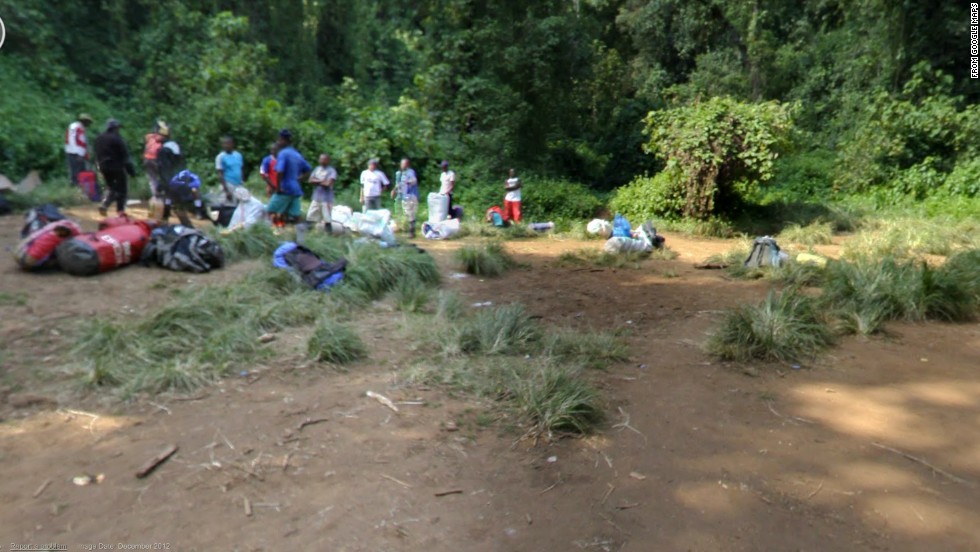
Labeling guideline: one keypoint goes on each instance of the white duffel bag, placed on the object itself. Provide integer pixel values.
(599, 227)
(440, 230)
(627, 245)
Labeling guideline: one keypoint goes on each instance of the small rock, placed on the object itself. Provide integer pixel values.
(451, 426)
(552, 459)
(266, 338)
(751, 371)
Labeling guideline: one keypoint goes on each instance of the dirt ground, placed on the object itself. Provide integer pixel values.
(873, 447)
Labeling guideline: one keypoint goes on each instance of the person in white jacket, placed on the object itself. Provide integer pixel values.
(250, 211)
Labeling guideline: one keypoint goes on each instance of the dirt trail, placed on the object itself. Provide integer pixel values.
(695, 456)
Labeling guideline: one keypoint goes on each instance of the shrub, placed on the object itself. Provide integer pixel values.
(593, 349)
(335, 342)
(411, 295)
(784, 327)
(488, 260)
(646, 198)
(449, 306)
(546, 199)
(375, 271)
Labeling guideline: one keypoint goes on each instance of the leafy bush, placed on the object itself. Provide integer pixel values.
(489, 260)
(335, 342)
(784, 327)
(721, 147)
(645, 198)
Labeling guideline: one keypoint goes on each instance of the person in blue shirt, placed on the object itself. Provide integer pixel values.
(229, 163)
(290, 169)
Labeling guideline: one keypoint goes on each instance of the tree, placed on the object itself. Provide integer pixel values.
(721, 147)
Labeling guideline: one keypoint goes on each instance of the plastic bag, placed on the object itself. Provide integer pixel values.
(438, 207)
(599, 227)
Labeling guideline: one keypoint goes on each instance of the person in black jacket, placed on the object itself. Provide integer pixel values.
(112, 156)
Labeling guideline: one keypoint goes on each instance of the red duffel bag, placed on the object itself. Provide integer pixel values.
(104, 250)
(122, 219)
(36, 251)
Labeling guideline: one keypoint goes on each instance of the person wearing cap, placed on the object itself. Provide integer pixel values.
(76, 147)
(408, 188)
(373, 182)
(290, 169)
(182, 194)
(229, 164)
(152, 143)
(323, 178)
(447, 184)
(512, 197)
(112, 156)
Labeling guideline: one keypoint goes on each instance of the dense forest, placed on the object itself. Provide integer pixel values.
(684, 107)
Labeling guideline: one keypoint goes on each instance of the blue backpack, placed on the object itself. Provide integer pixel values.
(621, 227)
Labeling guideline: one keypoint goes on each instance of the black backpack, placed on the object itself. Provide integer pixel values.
(183, 249)
(311, 269)
(39, 217)
(765, 252)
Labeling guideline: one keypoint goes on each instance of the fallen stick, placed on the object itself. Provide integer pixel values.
(193, 398)
(399, 481)
(311, 421)
(447, 493)
(247, 504)
(41, 489)
(918, 460)
(152, 463)
(815, 491)
(605, 497)
(627, 506)
(382, 399)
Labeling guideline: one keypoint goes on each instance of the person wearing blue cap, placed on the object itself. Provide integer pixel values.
(291, 167)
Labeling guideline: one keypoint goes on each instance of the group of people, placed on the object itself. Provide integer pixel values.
(283, 170)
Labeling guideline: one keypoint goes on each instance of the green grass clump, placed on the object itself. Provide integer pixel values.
(593, 349)
(866, 292)
(55, 192)
(784, 327)
(488, 260)
(602, 259)
(500, 330)
(912, 237)
(411, 295)
(375, 271)
(256, 241)
(335, 342)
(450, 306)
(817, 233)
(556, 399)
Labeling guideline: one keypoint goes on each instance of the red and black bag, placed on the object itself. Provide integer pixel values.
(105, 250)
(90, 185)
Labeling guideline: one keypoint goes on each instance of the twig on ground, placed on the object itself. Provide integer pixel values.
(451, 492)
(225, 439)
(152, 463)
(399, 481)
(247, 504)
(161, 407)
(41, 488)
(285, 461)
(91, 424)
(383, 400)
(625, 424)
(193, 398)
(311, 421)
(553, 485)
(605, 497)
(815, 491)
(792, 419)
(627, 505)
(918, 460)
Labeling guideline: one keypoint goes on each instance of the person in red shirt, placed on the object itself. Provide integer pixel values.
(268, 171)
(152, 144)
(76, 147)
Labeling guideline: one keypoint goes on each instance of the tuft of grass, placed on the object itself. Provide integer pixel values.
(488, 260)
(954, 289)
(253, 242)
(602, 259)
(450, 306)
(335, 342)
(375, 271)
(411, 295)
(12, 299)
(817, 233)
(501, 330)
(913, 237)
(784, 327)
(593, 349)
(56, 193)
(556, 399)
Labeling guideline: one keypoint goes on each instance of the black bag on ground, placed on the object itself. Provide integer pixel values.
(39, 217)
(183, 249)
(311, 268)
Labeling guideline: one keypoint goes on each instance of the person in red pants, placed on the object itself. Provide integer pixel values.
(512, 199)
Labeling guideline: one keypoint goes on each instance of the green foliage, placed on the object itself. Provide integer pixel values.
(556, 399)
(721, 147)
(817, 233)
(547, 199)
(256, 241)
(488, 260)
(593, 349)
(335, 342)
(499, 330)
(784, 327)
(648, 198)
(411, 295)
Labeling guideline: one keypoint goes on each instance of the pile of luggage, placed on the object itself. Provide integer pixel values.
(622, 238)
(51, 241)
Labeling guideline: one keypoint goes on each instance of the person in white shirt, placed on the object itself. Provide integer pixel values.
(447, 184)
(76, 147)
(408, 188)
(250, 211)
(373, 182)
(512, 199)
(322, 178)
